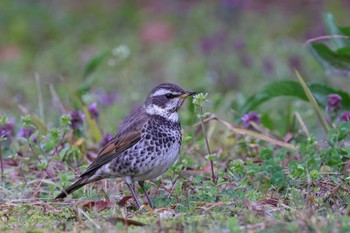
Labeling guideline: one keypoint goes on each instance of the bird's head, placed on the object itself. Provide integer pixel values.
(165, 99)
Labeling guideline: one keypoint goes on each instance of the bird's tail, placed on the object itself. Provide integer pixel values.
(76, 185)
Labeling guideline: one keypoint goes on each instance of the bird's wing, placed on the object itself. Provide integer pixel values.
(129, 134)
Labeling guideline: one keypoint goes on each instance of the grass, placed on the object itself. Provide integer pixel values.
(259, 187)
(284, 174)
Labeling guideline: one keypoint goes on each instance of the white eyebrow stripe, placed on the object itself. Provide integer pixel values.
(160, 92)
(163, 92)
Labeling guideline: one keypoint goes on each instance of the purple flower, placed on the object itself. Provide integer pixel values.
(295, 62)
(216, 40)
(268, 65)
(105, 139)
(345, 117)
(344, 73)
(7, 129)
(92, 108)
(104, 98)
(27, 133)
(245, 60)
(76, 120)
(334, 102)
(251, 117)
(239, 44)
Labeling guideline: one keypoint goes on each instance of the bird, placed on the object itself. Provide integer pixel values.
(146, 145)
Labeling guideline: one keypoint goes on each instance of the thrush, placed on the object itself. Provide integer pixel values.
(147, 143)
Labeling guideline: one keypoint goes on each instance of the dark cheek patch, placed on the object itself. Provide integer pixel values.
(159, 101)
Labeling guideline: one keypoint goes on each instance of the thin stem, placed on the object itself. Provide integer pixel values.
(40, 97)
(327, 37)
(208, 148)
(2, 166)
(33, 151)
(172, 187)
(313, 102)
(37, 157)
(22, 173)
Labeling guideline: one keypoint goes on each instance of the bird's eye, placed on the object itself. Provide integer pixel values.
(170, 96)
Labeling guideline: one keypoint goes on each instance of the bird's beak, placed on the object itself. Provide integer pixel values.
(187, 94)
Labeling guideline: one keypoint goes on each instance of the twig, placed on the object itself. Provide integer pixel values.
(242, 131)
(313, 102)
(326, 38)
(22, 173)
(333, 191)
(333, 184)
(56, 101)
(172, 187)
(302, 123)
(37, 157)
(88, 217)
(208, 148)
(33, 151)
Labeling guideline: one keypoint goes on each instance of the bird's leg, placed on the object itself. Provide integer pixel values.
(131, 188)
(141, 183)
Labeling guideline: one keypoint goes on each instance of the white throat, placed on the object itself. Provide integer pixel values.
(156, 110)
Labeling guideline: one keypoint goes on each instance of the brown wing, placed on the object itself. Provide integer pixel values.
(129, 134)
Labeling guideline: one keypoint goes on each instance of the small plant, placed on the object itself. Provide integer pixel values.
(199, 100)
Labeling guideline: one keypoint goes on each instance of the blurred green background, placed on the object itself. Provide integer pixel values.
(228, 48)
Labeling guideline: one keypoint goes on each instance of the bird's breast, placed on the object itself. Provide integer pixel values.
(153, 155)
(160, 147)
